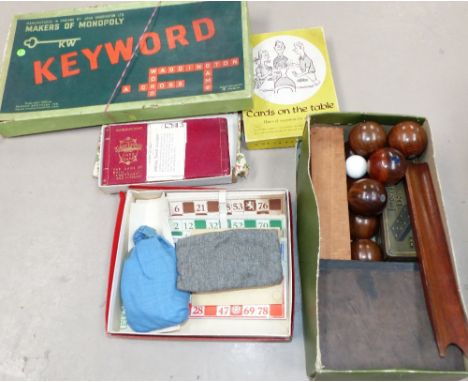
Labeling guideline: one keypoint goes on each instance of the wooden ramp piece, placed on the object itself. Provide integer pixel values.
(328, 171)
(440, 287)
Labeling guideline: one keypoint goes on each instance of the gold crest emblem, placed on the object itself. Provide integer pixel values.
(128, 150)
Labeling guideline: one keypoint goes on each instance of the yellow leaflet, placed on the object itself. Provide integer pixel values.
(292, 78)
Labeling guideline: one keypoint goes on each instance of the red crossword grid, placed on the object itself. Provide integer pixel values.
(154, 85)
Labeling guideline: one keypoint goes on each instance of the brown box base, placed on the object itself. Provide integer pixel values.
(373, 315)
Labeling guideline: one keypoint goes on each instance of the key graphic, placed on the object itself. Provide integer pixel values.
(32, 42)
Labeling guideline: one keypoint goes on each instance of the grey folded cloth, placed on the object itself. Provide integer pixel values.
(232, 259)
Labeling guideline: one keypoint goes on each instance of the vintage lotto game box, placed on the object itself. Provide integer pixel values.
(293, 79)
(124, 62)
(261, 313)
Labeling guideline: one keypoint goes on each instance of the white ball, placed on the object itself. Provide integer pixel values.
(356, 166)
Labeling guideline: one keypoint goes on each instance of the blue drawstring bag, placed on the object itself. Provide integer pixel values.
(148, 284)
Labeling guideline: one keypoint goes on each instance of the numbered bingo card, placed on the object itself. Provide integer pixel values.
(183, 226)
(230, 203)
(192, 212)
(259, 206)
(198, 207)
(258, 311)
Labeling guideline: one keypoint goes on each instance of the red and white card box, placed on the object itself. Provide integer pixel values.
(135, 153)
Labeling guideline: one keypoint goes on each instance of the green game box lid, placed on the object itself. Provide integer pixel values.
(122, 63)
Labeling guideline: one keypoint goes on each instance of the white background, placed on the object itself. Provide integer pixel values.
(56, 227)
